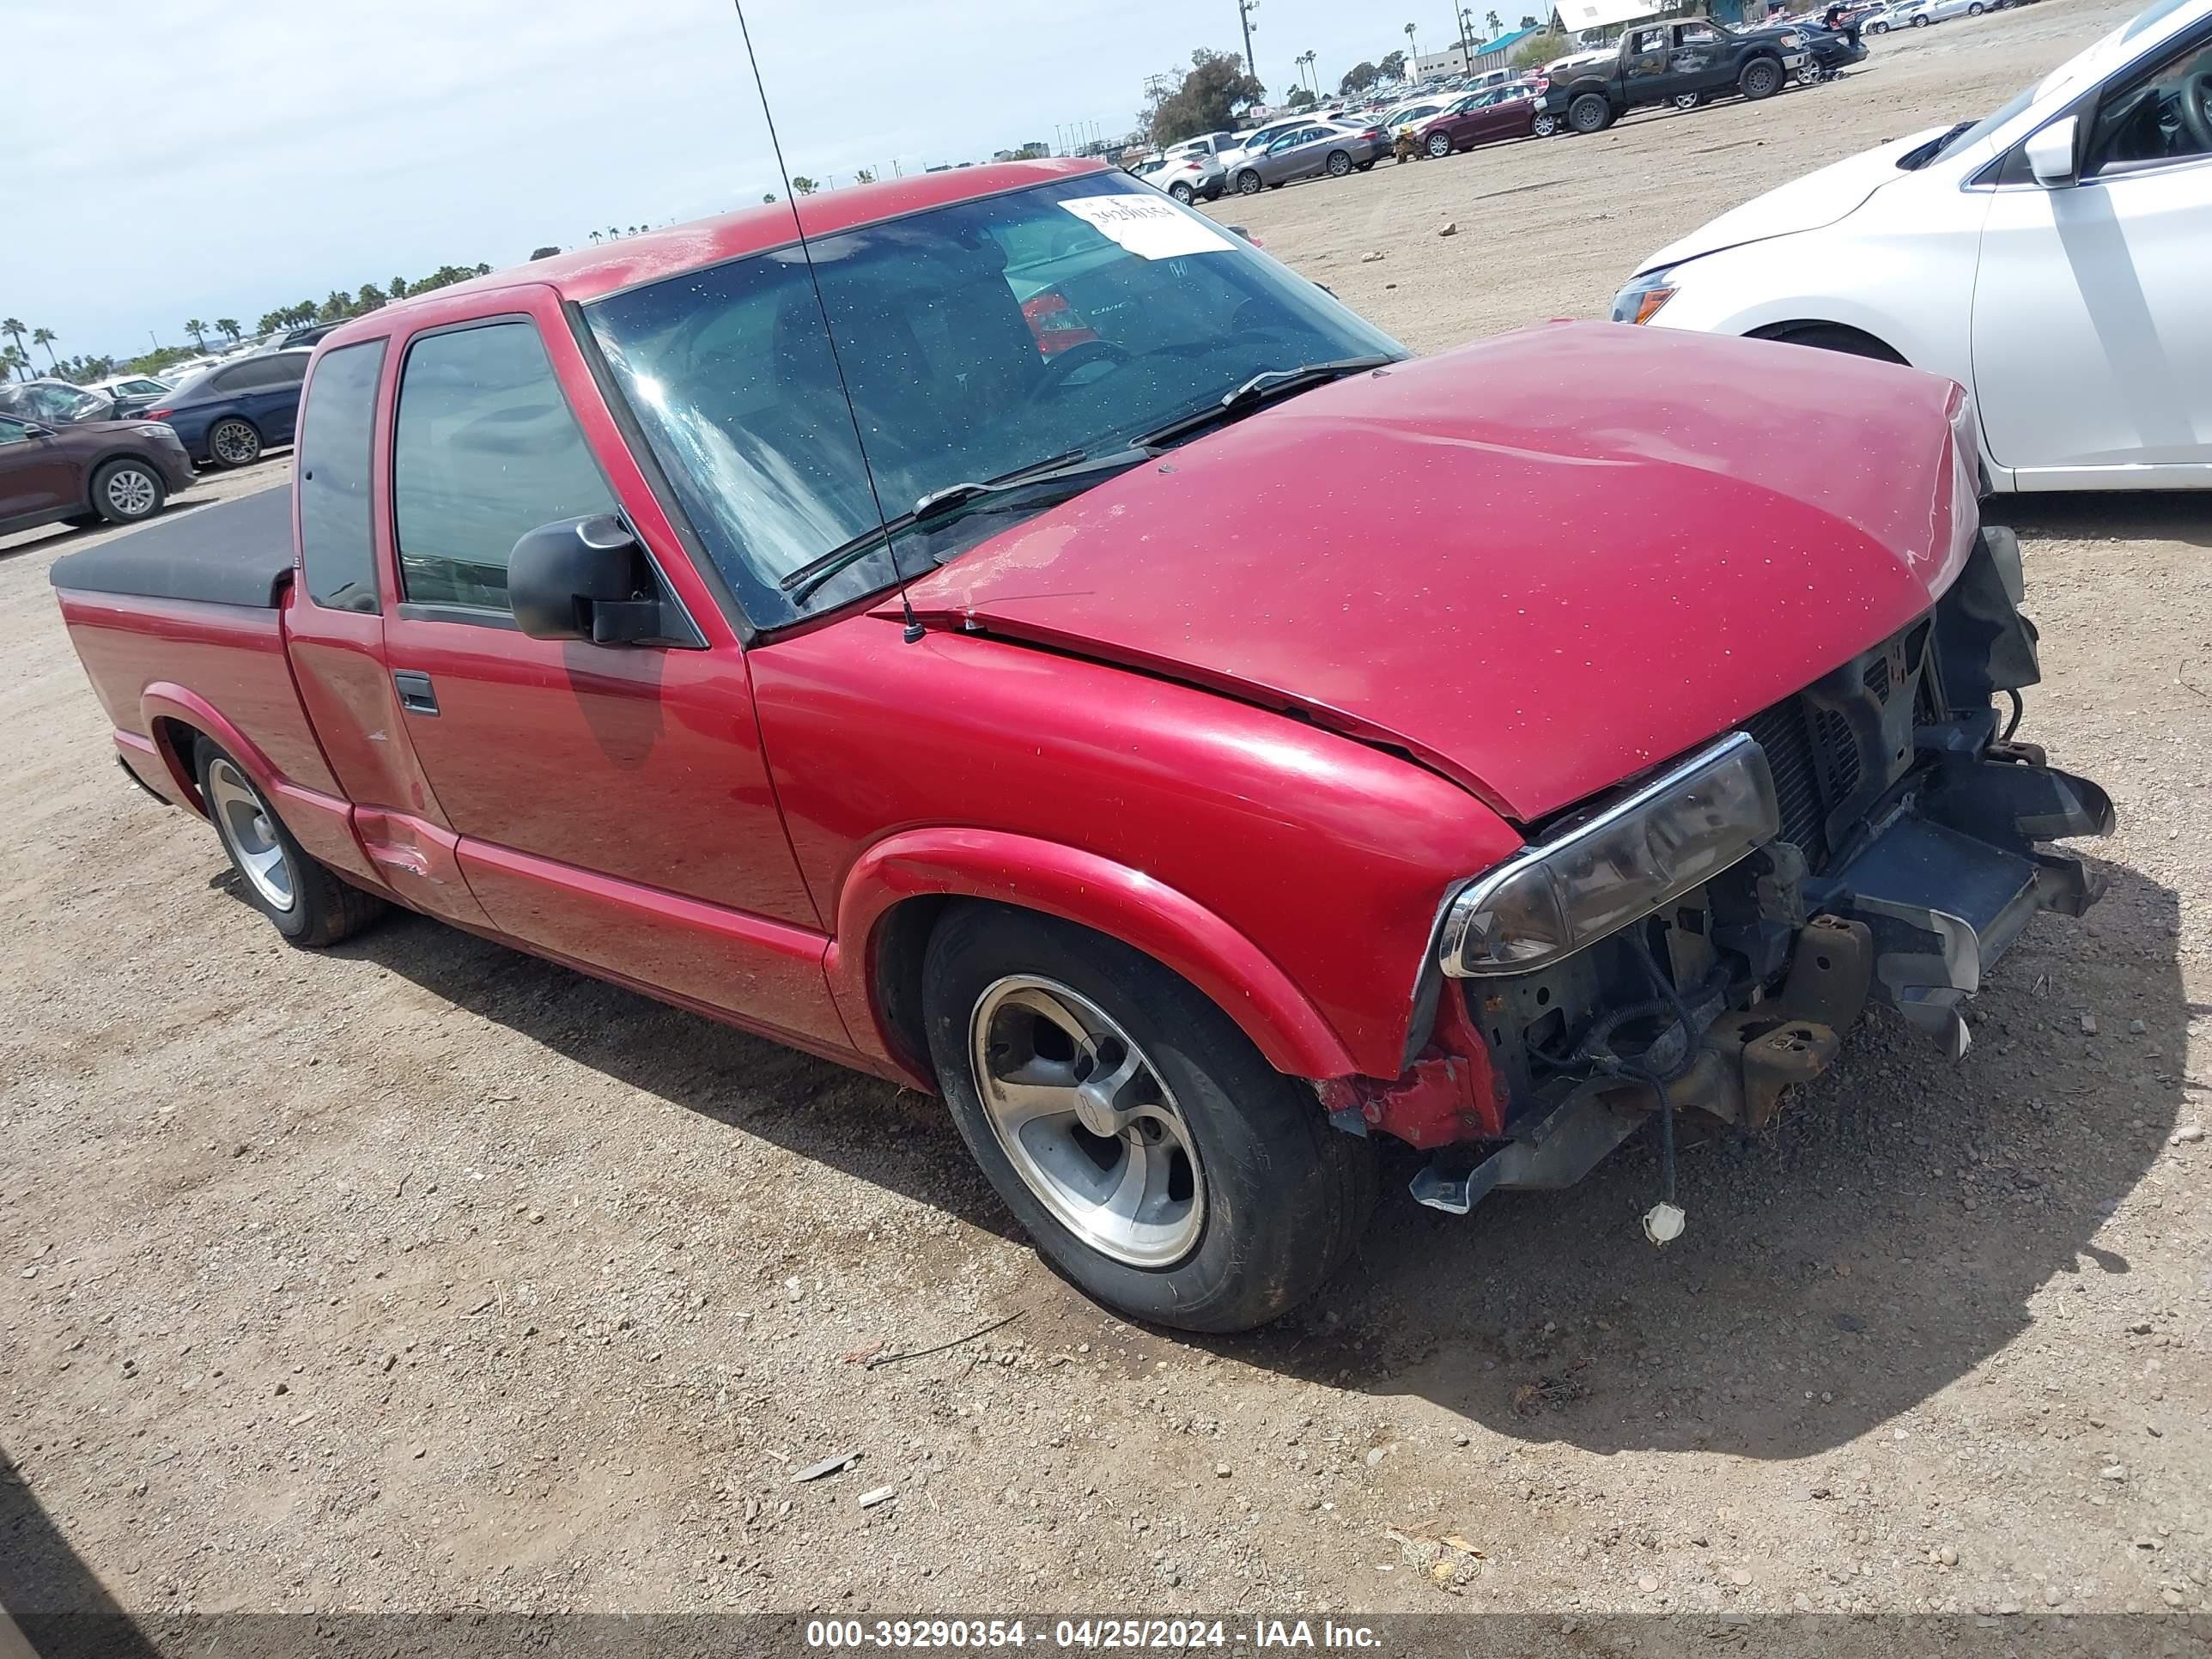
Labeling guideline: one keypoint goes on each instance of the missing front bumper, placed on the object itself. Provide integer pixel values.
(1913, 918)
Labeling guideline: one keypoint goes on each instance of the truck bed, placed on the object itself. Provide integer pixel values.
(233, 552)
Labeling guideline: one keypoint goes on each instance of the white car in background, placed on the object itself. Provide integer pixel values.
(2052, 258)
(1187, 175)
(1919, 13)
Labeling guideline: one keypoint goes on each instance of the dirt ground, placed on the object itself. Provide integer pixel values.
(420, 1274)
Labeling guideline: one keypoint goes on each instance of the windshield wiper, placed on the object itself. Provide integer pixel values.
(1263, 387)
(947, 503)
(1927, 153)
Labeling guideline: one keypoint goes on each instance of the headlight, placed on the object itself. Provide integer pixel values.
(1616, 867)
(1640, 301)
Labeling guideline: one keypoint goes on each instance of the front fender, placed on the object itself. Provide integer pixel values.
(1126, 904)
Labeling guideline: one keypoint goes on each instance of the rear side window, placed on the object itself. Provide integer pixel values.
(337, 433)
(486, 450)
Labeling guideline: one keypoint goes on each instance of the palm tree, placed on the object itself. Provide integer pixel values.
(1413, 50)
(46, 336)
(229, 325)
(197, 329)
(12, 358)
(14, 329)
(1497, 28)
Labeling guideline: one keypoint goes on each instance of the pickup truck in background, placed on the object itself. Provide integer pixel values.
(1682, 64)
(779, 627)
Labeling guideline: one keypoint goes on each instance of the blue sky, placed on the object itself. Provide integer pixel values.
(162, 162)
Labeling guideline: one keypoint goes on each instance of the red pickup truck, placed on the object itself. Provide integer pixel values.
(1199, 753)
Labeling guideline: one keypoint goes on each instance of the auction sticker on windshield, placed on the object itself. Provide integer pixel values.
(1149, 229)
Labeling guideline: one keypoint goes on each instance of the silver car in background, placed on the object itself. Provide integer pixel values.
(1318, 147)
(1258, 138)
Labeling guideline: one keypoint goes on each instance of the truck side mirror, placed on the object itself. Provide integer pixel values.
(583, 578)
(2050, 154)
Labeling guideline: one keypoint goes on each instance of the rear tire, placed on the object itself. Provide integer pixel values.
(1921, 21)
(1339, 163)
(1589, 114)
(1269, 1199)
(233, 442)
(1248, 182)
(1761, 78)
(302, 899)
(1544, 126)
(128, 491)
(1688, 100)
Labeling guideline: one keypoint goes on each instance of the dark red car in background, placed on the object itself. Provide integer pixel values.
(1481, 118)
(87, 470)
(1199, 753)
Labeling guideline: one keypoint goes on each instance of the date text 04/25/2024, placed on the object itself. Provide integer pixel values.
(1086, 1635)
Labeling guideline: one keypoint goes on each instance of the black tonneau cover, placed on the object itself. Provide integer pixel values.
(233, 552)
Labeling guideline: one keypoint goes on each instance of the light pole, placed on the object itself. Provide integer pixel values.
(1244, 10)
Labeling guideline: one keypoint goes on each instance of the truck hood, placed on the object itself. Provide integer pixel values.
(1539, 565)
(1807, 203)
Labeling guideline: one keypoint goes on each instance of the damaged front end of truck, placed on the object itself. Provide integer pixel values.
(1698, 941)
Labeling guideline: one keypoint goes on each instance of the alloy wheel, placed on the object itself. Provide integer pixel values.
(131, 492)
(233, 443)
(1087, 1121)
(248, 834)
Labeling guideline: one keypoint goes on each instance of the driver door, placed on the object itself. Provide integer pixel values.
(2092, 340)
(1647, 74)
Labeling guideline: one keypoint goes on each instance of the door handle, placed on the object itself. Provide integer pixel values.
(416, 694)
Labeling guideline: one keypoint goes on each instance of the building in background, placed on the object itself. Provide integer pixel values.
(1489, 55)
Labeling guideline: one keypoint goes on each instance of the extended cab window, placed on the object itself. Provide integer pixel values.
(485, 449)
(336, 432)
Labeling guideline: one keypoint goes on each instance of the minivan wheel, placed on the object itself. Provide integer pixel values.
(303, 901)
(1439, 146)
(234, 442)
(125, 491)
(1589, 114)
(1248, 182)
(1141, 1141)
(1761, 78)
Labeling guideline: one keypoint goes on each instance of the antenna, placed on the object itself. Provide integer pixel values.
(914, 630)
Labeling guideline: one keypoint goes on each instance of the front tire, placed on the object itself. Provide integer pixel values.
(233, 442)
(1761, 78)
(128, 491)
(1141, 1141)
(303, 901)
(1439, 146)
(1248, 182)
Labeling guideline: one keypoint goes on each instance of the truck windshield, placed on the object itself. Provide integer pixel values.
(976, 340)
